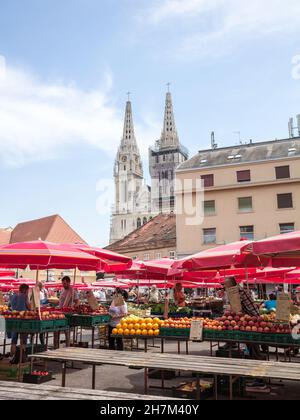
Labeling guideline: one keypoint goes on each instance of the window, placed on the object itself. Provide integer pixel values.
(285, 201)
(145, 220)
(139, 223)
(245, 204)
(243, 176)
(247, 232)
(286, 228)
(282, 172)
(172, 255)
(209, 236)
(146, 257)
(209, 208)
(208, 180)
(158, 256)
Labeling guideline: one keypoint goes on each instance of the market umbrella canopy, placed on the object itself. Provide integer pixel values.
(236, 254)
(284, 250)
(40, 255)
(7, 273)
(110, 262)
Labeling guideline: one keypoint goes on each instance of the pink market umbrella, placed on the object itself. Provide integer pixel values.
(7, 273)
(41, 255)
(284, 250)
(236, 254)
(110, 262)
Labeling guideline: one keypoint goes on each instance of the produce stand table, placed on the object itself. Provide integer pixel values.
(233, 368)
(13, 391)
(90, 322)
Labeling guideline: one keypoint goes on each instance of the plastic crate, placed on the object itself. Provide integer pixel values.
(175, 332)
(29, 326)
(88, 320)
(60, 324)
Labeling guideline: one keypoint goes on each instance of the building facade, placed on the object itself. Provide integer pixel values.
(152, 241)
(250, 191)
(135, 202)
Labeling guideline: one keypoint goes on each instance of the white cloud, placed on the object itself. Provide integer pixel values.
(211, 27)
(39, 120)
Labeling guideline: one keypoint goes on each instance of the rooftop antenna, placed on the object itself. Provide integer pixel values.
(213, 141)
(291, 128)
(298, 121)
(239, 136)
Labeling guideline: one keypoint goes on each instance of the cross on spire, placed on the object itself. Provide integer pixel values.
(168, 85)
(128, 95)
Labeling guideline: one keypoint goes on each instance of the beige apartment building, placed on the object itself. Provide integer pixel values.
(251, 191)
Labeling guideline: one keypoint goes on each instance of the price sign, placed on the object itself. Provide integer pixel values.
(92, 301)
(284, 307)
(233, 294)
(196, 333)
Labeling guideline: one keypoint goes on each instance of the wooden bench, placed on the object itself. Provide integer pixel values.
(233, 368)
(19, 391)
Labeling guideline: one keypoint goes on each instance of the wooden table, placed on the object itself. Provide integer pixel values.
(13, 391)
(233, 368)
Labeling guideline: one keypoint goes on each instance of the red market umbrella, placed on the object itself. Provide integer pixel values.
(284, 250)
(7, 273)
(7, 280)
(110, 262)
(41, 255)
(226, 256)
(163, 267)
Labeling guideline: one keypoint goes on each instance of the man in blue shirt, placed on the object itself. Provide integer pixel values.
(272, 303)
(19, 302)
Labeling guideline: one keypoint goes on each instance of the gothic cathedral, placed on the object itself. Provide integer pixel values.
(135, 202)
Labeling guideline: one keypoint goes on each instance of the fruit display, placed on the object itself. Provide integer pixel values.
(179, 323)
(85, 309)
(136, 326)
(33, 315)
(245, 323)
(3, 309)
(138, 310)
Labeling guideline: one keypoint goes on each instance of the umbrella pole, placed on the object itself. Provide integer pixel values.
(37, 277)
(75, 271)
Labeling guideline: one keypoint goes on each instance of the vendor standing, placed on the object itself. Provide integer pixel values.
(19, 302)
(118, 310)
(155, 296)
(179, 296)
(69, 296)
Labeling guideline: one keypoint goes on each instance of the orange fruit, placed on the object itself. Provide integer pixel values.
(131, 326)
(126, 332)
(138, 332)
(157, 320)
(150, 332)
(120, 331)
(119, 326)
(144, 332)
(149, 326)
(143, 326)
(156, 332)
(115, 331)
(155, 326)
(137, 326)
(133, 332)
(124, 325)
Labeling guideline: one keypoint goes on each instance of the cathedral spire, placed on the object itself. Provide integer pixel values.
(128, 132)
(169, 136)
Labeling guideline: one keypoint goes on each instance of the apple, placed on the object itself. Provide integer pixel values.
(251, 324)
(267, 330)
(254, 329)
(260, 330)
(248, 329)
(236, 328)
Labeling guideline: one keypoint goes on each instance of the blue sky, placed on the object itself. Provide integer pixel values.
(65, 68)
